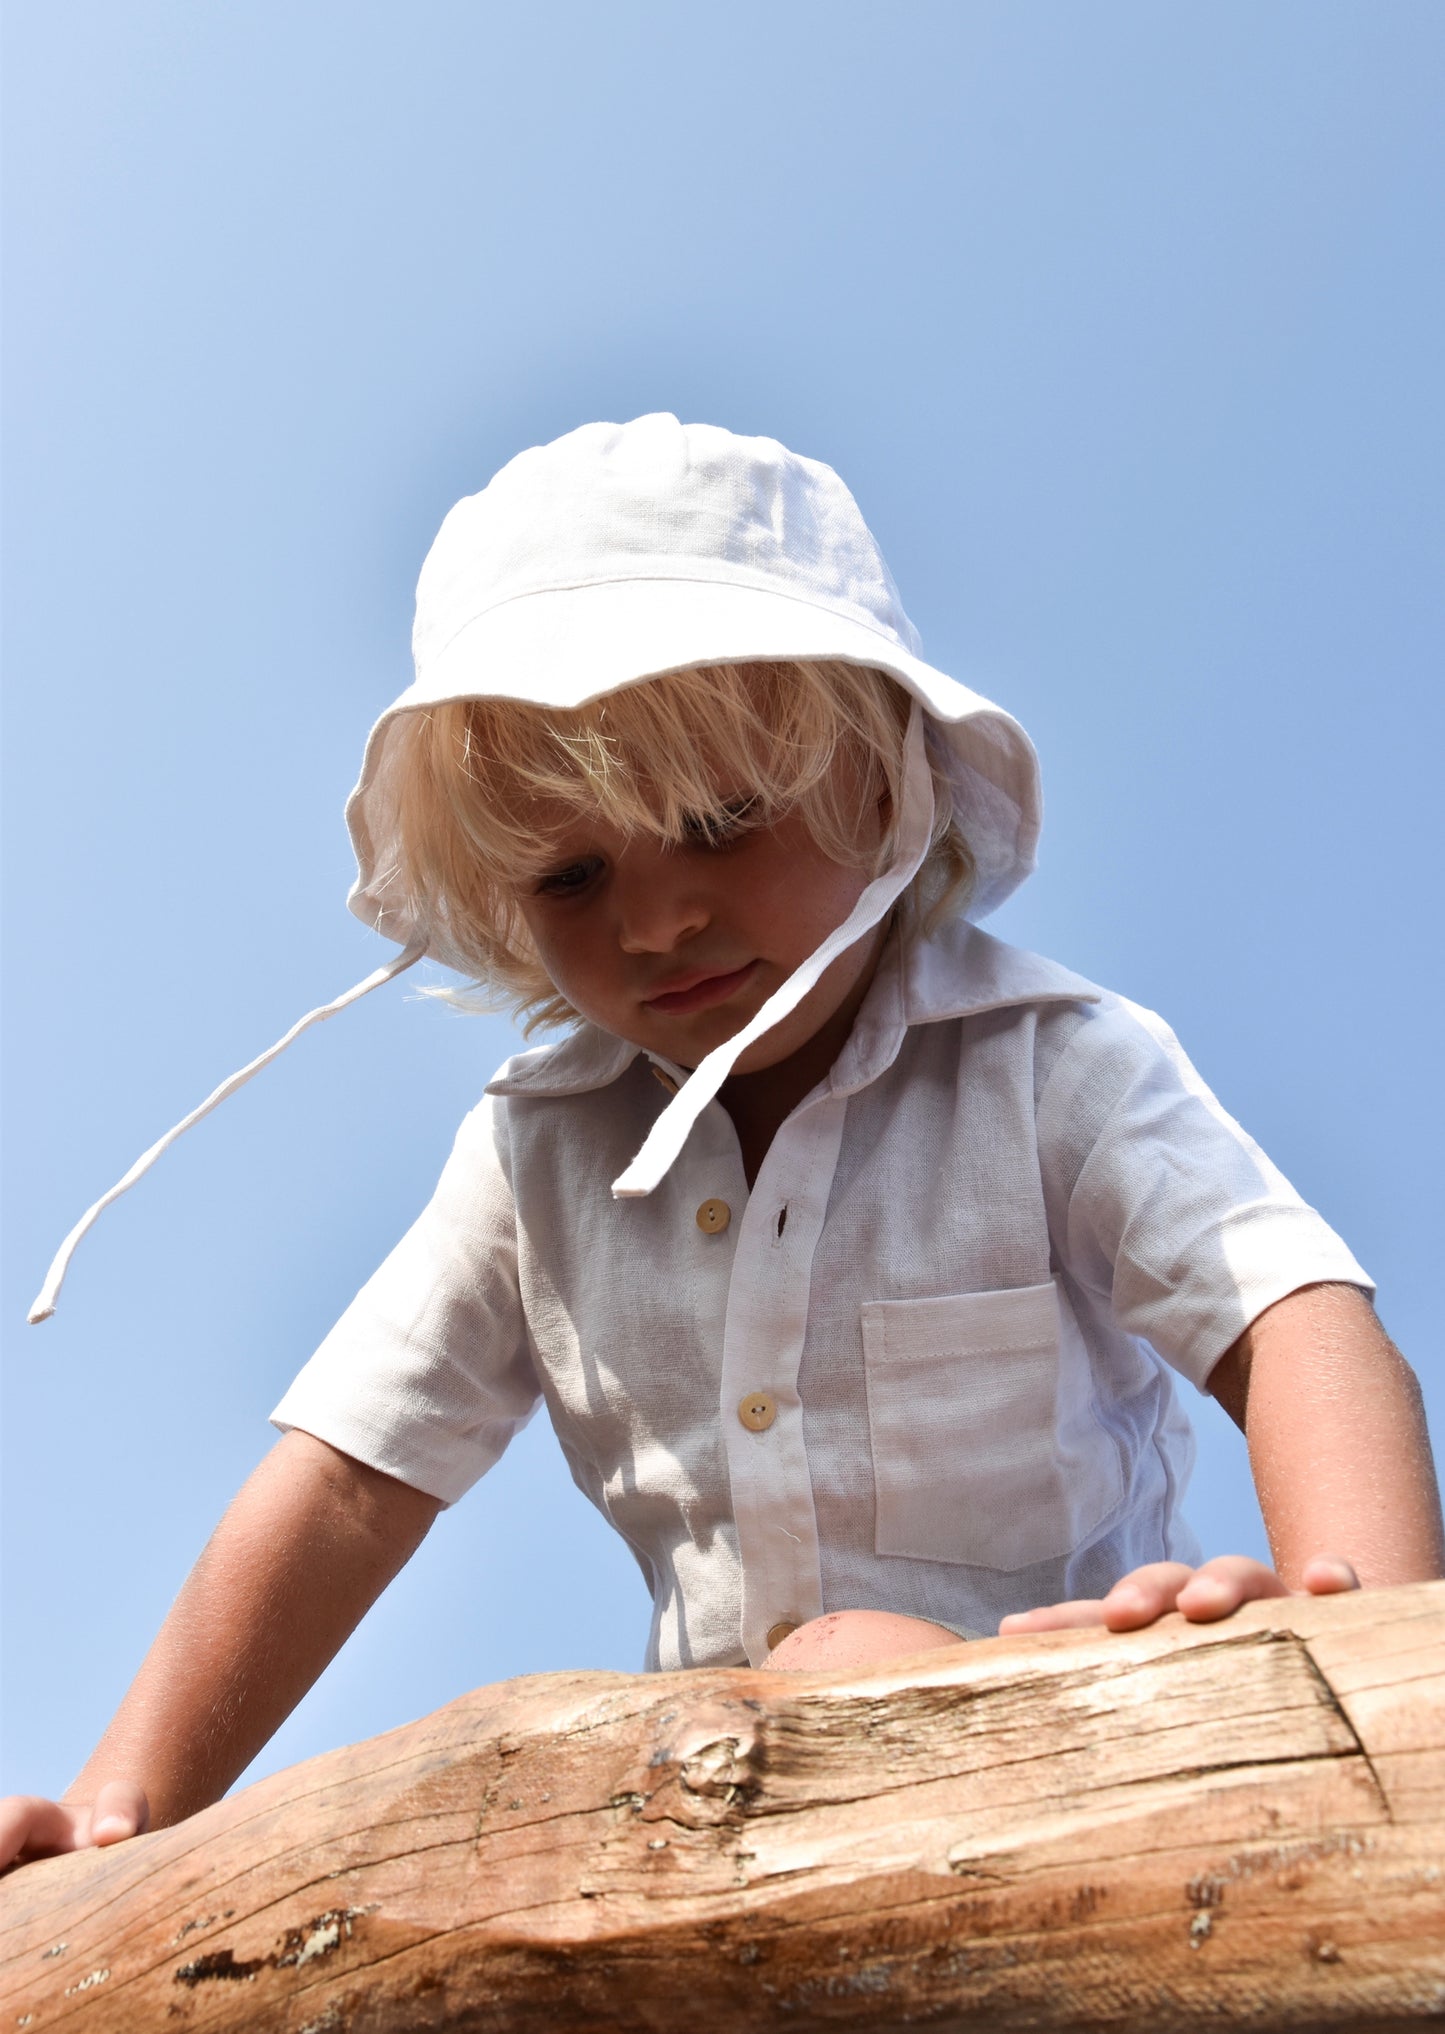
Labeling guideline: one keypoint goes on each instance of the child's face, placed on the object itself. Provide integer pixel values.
(675, 948)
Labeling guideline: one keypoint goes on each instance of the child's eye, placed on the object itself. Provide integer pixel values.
(568, 881)
(717, 829)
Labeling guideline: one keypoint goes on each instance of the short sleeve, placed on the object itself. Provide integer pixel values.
(1159, 1204)
(428, 1374)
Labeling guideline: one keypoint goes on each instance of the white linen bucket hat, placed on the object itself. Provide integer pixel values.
(621, 552)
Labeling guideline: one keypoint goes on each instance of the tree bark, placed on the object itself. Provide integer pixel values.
(1183, 1828)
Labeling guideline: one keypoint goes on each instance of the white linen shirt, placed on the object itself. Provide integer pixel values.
(939, 1307)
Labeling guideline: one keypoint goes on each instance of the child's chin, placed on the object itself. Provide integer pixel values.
(689, 1041)
(759, 1057)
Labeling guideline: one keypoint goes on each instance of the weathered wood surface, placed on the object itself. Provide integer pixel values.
(1187, 1828)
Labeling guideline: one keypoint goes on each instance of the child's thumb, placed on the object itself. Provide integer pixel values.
(121, 1810)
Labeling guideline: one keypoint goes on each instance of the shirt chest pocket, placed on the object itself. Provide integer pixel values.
(986, 1448)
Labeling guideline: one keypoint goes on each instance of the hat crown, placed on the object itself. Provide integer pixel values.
(655, 499)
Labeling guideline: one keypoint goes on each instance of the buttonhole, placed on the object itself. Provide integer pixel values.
(782, 1218)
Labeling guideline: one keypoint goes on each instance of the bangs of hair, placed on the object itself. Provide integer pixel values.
(487, 786)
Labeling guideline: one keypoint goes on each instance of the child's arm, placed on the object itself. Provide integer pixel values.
(1341, 1460)
(1337, 1440)
(304, 1550)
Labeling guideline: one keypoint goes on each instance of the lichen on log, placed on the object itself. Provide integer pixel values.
(1190, 1827)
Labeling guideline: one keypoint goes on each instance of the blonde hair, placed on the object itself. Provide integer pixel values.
(664, 758)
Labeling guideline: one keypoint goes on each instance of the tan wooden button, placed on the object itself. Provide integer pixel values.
(660, 1073)
(713, 1217)
(778, 1632)
(758, 1411)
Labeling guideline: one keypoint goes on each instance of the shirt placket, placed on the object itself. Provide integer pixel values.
(760, 1410)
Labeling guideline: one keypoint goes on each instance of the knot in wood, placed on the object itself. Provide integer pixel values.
(721, 1771)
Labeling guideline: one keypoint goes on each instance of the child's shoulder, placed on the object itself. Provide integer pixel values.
(1082, 1031)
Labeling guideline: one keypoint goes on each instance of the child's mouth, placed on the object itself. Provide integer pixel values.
(700, 993)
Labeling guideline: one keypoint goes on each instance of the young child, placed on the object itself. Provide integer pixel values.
(851, 1250)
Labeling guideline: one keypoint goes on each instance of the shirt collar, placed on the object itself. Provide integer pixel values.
(957, 972)
(585, 1059)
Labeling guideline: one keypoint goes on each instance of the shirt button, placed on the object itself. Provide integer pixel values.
(758, 1411)
(778, 1632)
(713, 1217)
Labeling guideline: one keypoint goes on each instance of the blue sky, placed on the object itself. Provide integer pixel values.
(1121, 321)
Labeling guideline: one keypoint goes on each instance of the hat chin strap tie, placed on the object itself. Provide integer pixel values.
(49, 1294)
(915, 831)
(669, 1133)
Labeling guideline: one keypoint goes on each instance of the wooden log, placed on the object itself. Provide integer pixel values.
(1189, 1827)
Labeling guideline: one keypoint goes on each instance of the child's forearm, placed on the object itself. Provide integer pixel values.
(307, 1546)
(1337, 1438)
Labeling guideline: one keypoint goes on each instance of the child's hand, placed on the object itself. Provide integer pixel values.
(31, 1827)
(1200, 1594)
(245, 1639)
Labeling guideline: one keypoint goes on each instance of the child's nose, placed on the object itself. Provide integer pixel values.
(657, 906)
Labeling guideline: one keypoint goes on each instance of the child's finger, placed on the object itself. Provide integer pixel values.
(121, 1810)
(32, 1826)
(1053, 1617)
(1221, 1585)
(1145, 1594)
(1329, 1575)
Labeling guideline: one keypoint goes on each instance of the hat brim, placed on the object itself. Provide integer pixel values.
(566, 646)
